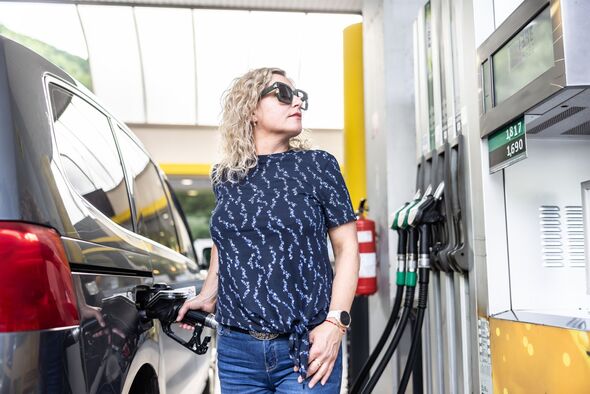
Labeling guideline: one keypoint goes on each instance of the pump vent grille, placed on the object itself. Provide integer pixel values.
(574, 219)
(562, 242)
(582, 129)
(551, 242)
(554, 120)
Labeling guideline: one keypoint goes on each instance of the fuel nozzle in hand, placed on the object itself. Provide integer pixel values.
(161, 302)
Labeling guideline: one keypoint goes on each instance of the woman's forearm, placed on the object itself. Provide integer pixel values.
(345, 281)
(209, 289)
(345, 245)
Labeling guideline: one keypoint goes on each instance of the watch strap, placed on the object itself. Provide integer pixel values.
(336, 316)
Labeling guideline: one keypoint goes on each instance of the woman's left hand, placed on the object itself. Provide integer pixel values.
(325, 340)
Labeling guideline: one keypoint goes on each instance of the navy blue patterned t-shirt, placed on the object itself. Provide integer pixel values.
(271, 233)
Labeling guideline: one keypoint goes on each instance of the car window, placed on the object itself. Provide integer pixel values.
(184, 236)
(207, 256)
(89, 156)
(154, 217)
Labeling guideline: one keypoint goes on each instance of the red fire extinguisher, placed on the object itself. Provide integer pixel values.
(365, 228)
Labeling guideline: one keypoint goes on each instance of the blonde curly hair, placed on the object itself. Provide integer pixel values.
(238, 150)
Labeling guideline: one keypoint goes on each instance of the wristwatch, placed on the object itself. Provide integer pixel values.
(342, 317)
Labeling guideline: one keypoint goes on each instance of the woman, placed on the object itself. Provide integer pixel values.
(282, 312)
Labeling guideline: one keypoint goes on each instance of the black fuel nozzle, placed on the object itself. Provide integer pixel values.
(424, 214)
(161, 302)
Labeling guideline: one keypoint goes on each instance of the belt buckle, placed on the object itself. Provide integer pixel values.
(263, 336)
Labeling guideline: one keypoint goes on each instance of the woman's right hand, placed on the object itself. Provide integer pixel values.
(195, 303)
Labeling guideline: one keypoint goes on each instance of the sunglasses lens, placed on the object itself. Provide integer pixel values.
(303, 96)
(284, 94)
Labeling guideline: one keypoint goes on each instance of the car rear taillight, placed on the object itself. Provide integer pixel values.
(36, 290)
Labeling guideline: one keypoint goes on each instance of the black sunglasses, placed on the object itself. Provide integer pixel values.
(285, 94)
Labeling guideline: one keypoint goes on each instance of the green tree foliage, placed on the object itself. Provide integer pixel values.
(74, 65)
(198, 211)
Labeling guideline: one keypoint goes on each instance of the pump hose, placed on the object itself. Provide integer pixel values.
(360, 379)
(408, 301)
(422, 301)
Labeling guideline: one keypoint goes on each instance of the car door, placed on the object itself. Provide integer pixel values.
(107, 259)
(172, 257)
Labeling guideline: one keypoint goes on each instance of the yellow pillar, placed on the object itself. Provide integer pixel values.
(354, 114)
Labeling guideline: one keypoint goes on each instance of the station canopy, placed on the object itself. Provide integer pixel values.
(169, 63)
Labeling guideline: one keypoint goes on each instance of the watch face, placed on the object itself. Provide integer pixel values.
(345, 318)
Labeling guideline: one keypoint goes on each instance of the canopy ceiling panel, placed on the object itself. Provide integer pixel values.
(328, 6)
(171, 65)
(321, 69)
(307, 46)
(114, 59)
(219, 59)
(166, 45)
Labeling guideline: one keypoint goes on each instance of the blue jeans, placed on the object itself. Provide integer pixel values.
(249, 365)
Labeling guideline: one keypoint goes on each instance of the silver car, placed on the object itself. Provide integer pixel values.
(85, 217)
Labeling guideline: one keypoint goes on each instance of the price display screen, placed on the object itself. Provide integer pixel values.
(507, 145)
(526, 56)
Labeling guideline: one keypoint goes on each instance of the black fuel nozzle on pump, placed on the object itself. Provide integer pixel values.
(398, 219)
(161, 302)
(400, 225)
(410, 253)
(422, 217)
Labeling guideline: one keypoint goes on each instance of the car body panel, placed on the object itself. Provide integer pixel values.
(107, 260)
(36, 361)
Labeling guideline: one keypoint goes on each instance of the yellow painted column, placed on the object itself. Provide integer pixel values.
(354, 167)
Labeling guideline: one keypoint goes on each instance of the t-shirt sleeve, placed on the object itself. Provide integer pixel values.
(334, 195)
(213, 185)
